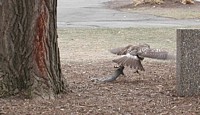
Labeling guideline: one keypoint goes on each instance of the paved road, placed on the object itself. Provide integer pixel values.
(93, 13)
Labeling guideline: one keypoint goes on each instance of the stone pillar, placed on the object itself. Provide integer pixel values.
(188, 62)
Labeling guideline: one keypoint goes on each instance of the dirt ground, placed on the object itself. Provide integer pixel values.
(153, 92)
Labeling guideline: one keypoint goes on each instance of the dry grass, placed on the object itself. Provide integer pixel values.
(93, 44)
(187, 13)
(164, 8)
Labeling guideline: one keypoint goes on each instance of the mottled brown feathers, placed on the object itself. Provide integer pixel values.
(132, 56)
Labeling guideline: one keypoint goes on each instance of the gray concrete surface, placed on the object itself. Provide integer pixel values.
(188, 62)
(93, 13)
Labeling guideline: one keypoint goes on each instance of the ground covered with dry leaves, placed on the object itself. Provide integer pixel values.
(119, 4)
(152, 92)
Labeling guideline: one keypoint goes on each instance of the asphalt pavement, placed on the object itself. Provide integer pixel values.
(94, 13)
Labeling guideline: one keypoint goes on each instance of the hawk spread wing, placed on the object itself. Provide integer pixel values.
(120, 50)
(131, 61)
(133, 55)
(154, 54)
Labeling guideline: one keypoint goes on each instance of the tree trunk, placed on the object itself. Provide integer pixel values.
(29, 54)
(188, 62)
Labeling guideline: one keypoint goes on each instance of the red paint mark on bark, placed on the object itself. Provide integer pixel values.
(40, 40)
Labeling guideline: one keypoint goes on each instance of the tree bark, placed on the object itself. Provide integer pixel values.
(188, 62)
(29, 53)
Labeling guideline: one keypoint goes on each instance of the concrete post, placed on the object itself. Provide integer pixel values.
(188, 62)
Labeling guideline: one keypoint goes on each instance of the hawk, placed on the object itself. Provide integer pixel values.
(132, 56)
